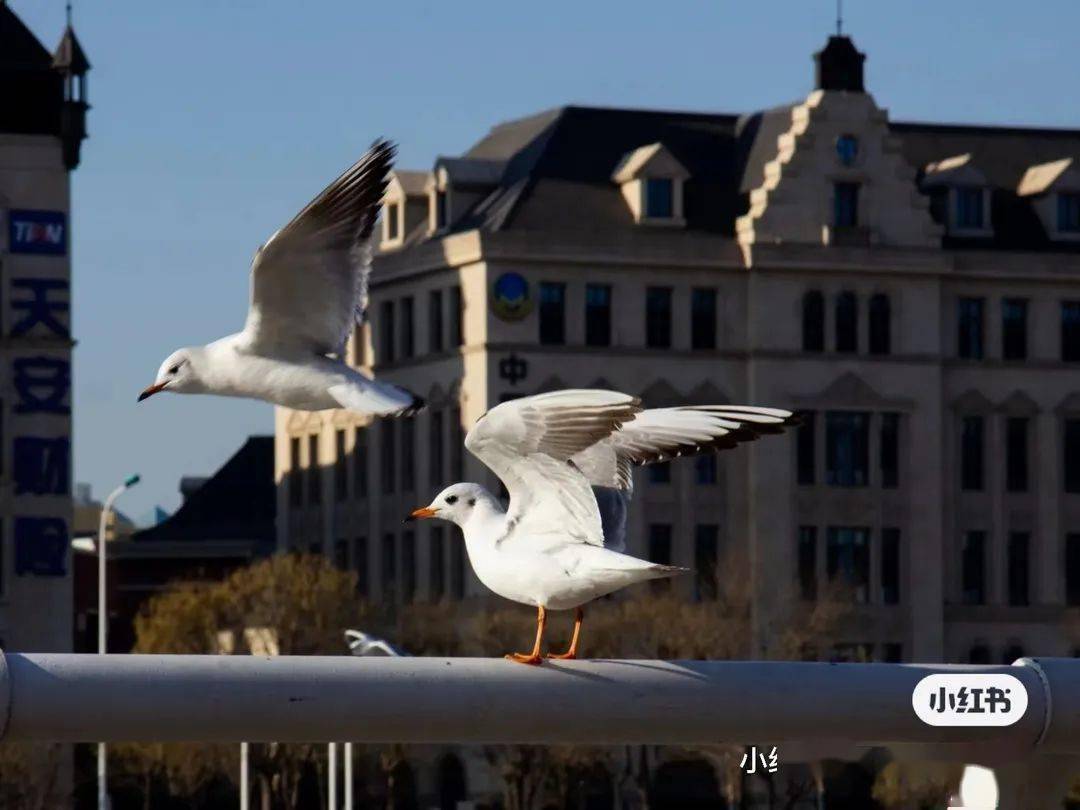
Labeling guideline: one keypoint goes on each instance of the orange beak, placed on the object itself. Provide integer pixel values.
(422, 512)
(149, 392)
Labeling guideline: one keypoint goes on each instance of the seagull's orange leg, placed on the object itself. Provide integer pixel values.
(534, 657)
(570, 654)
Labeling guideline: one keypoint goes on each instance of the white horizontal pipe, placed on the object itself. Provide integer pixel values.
(74, 698)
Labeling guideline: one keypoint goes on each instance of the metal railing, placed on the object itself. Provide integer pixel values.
(90, 698)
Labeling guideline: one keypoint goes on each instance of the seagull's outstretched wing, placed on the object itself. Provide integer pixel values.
(309, 281)
(529, 444)
(661, 434)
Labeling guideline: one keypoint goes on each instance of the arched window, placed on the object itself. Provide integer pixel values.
(880, 326)
(847, 322)
(813, 322)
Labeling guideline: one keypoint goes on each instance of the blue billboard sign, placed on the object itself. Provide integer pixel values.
(41, 232)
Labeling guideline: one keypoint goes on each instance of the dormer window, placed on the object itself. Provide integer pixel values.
(1068, 211)
(405, 207)
(440, 209)
(969, 207)
(1053, 189)
(392, 214)
(959, 196)
(651, 179)
(659, 197)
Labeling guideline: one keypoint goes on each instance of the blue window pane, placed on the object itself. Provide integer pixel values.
(846, 205)
(969, 207)
(1069, 212)
(847, 559)
(659, 198)
(847, 149)
(847, 448)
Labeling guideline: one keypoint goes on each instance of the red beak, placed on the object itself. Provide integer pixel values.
(149, 392)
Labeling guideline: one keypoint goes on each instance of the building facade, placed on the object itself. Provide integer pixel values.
(42, 124)
(912, 288)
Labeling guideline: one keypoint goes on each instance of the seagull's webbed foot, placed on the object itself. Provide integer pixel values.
(532, 659)
(566, 656)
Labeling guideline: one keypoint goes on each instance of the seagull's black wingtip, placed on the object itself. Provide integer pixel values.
(418, 404)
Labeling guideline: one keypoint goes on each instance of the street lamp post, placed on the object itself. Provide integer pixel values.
(103, 618)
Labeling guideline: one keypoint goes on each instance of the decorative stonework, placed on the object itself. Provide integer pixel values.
(794, 202)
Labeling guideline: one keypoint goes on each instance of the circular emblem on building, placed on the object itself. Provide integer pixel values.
(510, 298)
(847, 149)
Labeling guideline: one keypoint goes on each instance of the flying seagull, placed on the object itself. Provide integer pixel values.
(308, 288)
(566, 459)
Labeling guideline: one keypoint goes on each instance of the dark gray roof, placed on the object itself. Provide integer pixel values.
(19, 48)
(238, 502)
(31, 91)
(69, 54)
(558, 167)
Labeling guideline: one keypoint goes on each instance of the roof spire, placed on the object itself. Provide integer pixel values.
(839, 17)
(67, 10)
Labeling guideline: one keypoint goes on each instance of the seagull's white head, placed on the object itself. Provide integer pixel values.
(458, 503)
(179, 374)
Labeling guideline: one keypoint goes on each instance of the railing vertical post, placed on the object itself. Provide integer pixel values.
(331, 776)
(244, 794)
(348, 754)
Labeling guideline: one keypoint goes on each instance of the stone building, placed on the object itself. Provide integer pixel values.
(913, 288)
(42, 124)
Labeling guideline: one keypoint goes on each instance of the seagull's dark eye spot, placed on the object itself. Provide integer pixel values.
(472, 501)
(451, 498)
(174, 369)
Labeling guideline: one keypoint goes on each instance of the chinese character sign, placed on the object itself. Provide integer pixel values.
(41, 385)
(41, 546)
(41, 466)
(970, 699)
(39, 304)
(770, 762)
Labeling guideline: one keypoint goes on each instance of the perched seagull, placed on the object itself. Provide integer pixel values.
(565, 458)
(308, 287)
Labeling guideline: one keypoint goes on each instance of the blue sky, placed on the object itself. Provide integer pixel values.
(213, 122)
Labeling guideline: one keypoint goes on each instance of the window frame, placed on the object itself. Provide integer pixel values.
(1070, 331)
(1017, 453)
(846, 322)
(845, 212)
(971, 327)
(859, 448)
(436, 325)
(649, 187)
(659, 323)
(703, 318)
(1014, 581)
(1014, 328)
(879, 324)
(969, 208)
(973, 452)
(813, 321)
(860, 557)
(551, 314)
(598, 320)
(973, 559)
(1068, 213)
